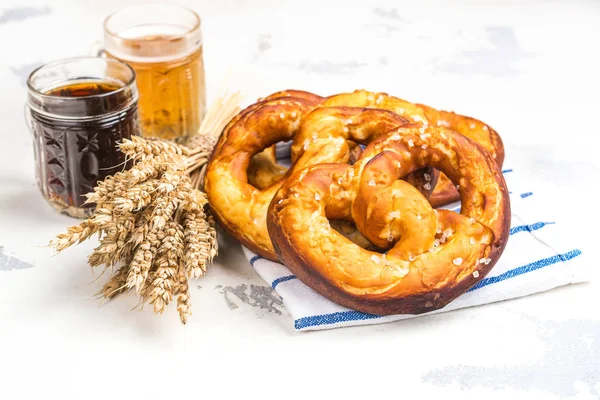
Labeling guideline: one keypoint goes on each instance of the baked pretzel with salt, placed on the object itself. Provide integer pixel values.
(264, 169)
(320, 135)
(428, 257)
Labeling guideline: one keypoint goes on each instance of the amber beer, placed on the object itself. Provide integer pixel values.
(163, 44)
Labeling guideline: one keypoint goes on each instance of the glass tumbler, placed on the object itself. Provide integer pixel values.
(78, 111)
(163, 44)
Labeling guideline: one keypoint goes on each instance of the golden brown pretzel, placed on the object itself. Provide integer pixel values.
(331, 135)
(445, 192)
(322, 137)
(474, 129)
(434, 255)
(238, 206)
(334, 133)
(267, 169)
(264, 170)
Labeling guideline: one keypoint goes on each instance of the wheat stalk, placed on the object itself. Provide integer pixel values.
(167, 263)
(153, 220)
(182, 291)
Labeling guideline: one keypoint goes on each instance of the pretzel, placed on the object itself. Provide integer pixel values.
(444, 192)
(433, 255)
(239, 207)
(482, 134)
(322, 136)
(264, 170)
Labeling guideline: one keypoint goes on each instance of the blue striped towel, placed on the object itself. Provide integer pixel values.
(539, 256)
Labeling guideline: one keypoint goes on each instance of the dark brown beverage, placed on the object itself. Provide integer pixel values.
(77, 127)
(82, 89)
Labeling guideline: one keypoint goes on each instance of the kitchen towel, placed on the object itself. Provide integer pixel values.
(542, 254)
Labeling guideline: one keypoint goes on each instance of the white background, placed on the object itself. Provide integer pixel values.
(528, 68)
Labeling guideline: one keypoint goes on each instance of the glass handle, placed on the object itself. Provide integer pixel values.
(97, 49)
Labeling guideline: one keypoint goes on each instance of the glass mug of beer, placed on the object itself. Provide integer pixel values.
(163, 44)
(79, 110)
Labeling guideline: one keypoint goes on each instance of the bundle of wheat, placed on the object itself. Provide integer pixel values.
(153, 220)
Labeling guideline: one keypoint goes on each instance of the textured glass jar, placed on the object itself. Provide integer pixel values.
(79, 110)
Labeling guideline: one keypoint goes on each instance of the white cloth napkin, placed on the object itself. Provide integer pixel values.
(542, 253)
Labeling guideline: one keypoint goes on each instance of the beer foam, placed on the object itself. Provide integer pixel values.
(148, 43)
(148, 31)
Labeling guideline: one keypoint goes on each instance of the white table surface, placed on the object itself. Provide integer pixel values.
(528, 68)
